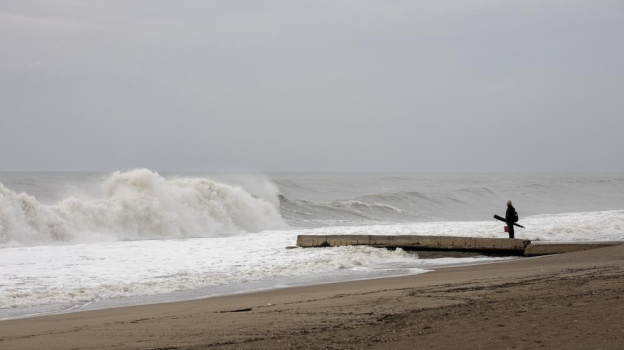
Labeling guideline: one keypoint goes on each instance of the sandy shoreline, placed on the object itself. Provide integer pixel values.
(568, 301)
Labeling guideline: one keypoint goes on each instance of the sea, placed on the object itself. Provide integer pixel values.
(72, 241)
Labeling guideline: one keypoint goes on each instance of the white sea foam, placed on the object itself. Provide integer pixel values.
(135, 205)
(82, 273)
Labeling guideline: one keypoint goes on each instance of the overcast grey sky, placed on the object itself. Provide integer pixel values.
(286, 85)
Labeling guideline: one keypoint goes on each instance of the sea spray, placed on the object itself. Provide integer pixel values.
(134, 205)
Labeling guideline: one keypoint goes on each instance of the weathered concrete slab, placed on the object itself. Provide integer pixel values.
(514, 246)
(307, 241)
(451, 243)
(547, 248)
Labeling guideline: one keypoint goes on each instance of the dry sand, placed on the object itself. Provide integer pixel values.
(568, 301)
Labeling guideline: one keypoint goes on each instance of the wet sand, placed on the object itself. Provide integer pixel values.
(567, 301)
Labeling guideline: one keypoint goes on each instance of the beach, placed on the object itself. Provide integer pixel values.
(311, 175)
(566, 301)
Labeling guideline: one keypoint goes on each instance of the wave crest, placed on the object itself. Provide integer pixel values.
(138, 204)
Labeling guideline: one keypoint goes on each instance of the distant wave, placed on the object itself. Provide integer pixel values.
(385, 207)
(138, 204)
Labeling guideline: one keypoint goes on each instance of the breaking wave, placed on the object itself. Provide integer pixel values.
(135, 205)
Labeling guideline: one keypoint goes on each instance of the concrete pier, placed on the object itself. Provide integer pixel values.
(499, 246)
(412, 242)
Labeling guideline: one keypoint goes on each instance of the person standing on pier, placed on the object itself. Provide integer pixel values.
(511, 217)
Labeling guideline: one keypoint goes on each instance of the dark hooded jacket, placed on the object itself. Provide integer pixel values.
(510, 214)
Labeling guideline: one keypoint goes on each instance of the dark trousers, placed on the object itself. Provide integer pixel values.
(511, 230)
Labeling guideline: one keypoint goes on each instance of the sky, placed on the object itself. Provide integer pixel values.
(312, 86)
